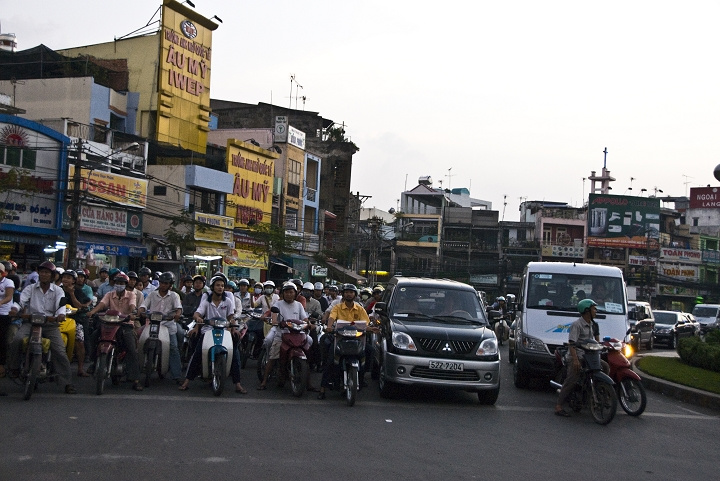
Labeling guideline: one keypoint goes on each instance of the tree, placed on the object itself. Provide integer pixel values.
(181, 232)
(270, 239)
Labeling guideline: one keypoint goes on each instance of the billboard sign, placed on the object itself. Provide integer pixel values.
(118, 189)
(623, 221)
(705, 197)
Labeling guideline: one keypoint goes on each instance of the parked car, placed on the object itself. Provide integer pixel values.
(436, 333)
(642, 324)
(671, 326)
(708, 315)
(690, 319)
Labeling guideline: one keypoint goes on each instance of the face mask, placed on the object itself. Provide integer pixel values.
(306, 294)
(120, 288)
(257, 291)
(269, 290)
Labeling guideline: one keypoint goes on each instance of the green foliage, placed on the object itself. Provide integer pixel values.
(713, 337)
(677, 371)
(270, 239)
(181, 232)
(701, 354)
(337, 134)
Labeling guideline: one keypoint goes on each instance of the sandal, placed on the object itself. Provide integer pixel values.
(184, 387)
(562, 412)
(241, 390)
(261, 387)
(70, 389)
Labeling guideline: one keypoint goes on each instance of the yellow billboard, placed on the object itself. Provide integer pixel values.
(254, 170)
(184, 80)
(119, 189)
(214, 228)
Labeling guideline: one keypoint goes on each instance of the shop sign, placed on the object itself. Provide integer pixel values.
(669, 254)
(642, 261)
(214, 228)
(665, 290)
(487, 279)
(622, 221)
(119, 189)
(104, 220)
(680, 272)
(711, 257)
(705, 197)
(296, 137)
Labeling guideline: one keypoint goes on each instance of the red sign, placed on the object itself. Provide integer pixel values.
(705, 197)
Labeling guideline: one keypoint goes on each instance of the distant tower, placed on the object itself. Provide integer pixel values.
(604, 179)
(7, 42)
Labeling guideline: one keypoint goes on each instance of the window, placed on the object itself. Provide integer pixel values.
(696, 221)
(294, 177)
(291, 217)
(203, 201)
(160, 190)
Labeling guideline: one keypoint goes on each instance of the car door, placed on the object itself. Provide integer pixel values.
(682, 328)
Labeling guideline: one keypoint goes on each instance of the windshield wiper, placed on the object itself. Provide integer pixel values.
(449, 318)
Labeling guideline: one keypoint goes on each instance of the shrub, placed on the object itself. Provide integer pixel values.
(700, 354)
(713, 337)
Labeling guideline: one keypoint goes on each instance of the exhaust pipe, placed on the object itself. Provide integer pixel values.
(556, 385)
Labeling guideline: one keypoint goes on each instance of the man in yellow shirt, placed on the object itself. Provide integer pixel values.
(347, 310)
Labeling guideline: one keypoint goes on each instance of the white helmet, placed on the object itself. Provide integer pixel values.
(268, 284)
(308, 286)
(318, 286)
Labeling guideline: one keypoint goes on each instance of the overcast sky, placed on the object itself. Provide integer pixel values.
(518, 98)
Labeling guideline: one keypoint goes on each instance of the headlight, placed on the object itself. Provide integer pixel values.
(533, 344)
(403, 341)
(350, 333)
(220, 323)
(663, 331)
(156, 316)
(487, 348)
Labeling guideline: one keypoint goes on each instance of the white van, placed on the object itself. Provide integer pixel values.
(708, 315)
(547, 305)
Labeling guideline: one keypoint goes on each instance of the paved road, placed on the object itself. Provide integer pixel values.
(162, 433)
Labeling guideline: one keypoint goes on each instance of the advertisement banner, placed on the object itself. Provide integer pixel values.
(214, 228)
(689, 256)
(254, 169)
(690, 273)
(116, 188)
(623, 221)
(642, 261)
(705, 197)
(105, 220)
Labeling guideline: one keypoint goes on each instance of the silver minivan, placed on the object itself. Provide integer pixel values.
(708, 315)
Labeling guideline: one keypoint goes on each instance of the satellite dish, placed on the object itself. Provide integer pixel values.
(392, 210)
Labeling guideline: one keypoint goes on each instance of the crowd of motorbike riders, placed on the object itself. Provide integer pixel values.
(52, 291)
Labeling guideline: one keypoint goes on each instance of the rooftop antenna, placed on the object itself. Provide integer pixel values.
(292, 79)
(504, 205)
(605, 159)
(686, 183)
(449, 176)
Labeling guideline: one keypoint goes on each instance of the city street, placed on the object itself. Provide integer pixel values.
(164, 434)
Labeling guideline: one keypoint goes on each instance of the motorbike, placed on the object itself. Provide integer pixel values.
(68, 331)
(154, 344)
(217, 353)
(185, 347)
(36, 364)
(628, 386)
(110, 362)
(349, 354)
(594, 388)
(500, 327)
(294, 353)
(316, 332)
(251, 343)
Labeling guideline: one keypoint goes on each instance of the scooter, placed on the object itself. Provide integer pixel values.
(349, 354)
(217, 354)
(500, 327)
(110, 362)
(294, 353)
(628, 386)
(594, 388)
(68, 331)
(154, 344)
(36, 366)
(251, 343)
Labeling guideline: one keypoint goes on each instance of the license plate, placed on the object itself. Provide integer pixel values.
(446, 366)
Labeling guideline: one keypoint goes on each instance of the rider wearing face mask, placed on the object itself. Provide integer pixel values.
(123, 301)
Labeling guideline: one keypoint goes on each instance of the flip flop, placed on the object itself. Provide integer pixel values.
(261, 388)
(562, 413)
(241, 390)
(184, 388)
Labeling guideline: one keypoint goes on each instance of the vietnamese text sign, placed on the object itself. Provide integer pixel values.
(215, 228)
(119, 189)
(623, 221)
(669, 254)
(705, 197)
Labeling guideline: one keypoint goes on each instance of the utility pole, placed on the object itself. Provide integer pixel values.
(75, 204)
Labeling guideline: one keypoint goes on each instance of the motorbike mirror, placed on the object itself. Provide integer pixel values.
(495, 314)
(380, 307)
(275, 309)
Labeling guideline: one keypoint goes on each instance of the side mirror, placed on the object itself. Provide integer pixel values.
(494, 314)
(380, 307)
(275, 309)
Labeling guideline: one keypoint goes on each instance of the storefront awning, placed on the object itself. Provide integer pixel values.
(347, 273)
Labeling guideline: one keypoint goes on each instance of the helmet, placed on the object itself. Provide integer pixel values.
(5, 265)
(269, 284)
(132, 275)
(114, 272)
(289, 285)
(82, 272)
(144, 271)
(59, 270)
(47, 265)
(104, 269)
(231, 285)
(243, 282)
(13, 264)
(585, 305)
(187, 278)
(70, 273)
(121, 277)
(318, 286)
(199, 277)
(258, 284)
(378, 289)
(350, 287)
(366, 291)
(333, 287)
(298, 283)
(167, 277)
(220, 274)
(308, 285)
(214, 279)
(500, 299)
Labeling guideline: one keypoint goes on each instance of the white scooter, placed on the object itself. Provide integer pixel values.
(217, 353)
(154, 347)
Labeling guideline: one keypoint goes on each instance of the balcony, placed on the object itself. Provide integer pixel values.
(310, 194)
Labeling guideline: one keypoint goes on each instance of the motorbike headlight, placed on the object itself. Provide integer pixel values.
(156, 316)
(403, 341)
(349, 332)
(628, 351)
(533, 344)
(220, 323)
(488, 347)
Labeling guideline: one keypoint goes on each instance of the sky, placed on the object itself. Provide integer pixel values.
(514, 100)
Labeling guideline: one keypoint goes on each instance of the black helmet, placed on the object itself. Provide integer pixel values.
(298, 283)
(167, 277)
(47, 265)
(70, 273)
(132, 275)
(187, 278)
(349, 287)
(144, 271)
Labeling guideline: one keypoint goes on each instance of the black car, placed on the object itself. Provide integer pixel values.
(642, 324)
(435, 333)
(671, 326)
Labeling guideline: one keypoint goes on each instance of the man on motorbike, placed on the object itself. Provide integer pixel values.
(583, 328)
(499, 305)
(290, 309)
(123, 301)
(245, 299)
(216, 304)
(144, 283)
(132, 287)
(377, 293)
(44, 298)
(318, 296)
(168, 302)
(75, 296)
(347, 310)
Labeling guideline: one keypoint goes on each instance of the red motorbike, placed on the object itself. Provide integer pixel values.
(294, 354)
(629, 388)
(110, 358)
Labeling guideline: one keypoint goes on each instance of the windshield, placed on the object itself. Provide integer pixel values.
(666, 318)
(564, 291)
(705, 311)
(444, 304)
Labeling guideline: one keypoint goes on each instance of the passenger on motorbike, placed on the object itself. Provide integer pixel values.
(216, 304)
(144, 282)
(192, 299)
(499, 305)
(318, 296)
(243, 295)
(347, 310)
(290, 309)
(44, 298)
(583, 328)
(377, 293)
(187, 283)
(123, 301)
(75, 296)
(132, 287)
(168, 302)
(108, 286)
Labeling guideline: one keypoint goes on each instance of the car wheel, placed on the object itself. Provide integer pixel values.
(520, 379)
(672, 342)
(387, 389)
(511, 355)
(651, 343)
(488, 397)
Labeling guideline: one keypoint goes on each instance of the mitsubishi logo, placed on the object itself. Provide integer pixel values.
(447, 348)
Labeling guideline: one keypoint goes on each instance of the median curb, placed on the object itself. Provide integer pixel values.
(678, 391)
